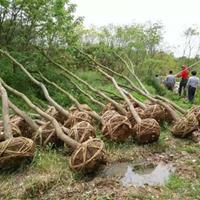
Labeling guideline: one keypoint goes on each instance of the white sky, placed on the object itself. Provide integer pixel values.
(175, 15)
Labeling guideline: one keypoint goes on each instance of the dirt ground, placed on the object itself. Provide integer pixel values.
(49, 177)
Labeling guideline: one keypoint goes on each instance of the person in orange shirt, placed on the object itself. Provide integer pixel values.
(184, 75)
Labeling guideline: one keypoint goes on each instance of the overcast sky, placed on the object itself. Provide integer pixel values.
(175, 15)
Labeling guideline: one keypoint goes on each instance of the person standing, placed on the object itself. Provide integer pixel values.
(170, 81)
(157, 79)
(184, 75)
(192, 84)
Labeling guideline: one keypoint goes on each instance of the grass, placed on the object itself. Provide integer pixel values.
(49, 176)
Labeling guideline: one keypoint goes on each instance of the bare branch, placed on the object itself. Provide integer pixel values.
(132, 71)
(22, 114)
(87, 95)
(57, 127)
(41, 85)
(117, 105)
(72, 98)
(5, 114)
(132, 109)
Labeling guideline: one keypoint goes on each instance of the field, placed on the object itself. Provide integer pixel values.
(45, 45)
(48, 176)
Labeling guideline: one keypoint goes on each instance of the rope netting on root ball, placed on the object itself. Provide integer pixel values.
(140, 112)
(22, 125)
(149, 110)
(185, 125)
(14, 127)
(88, 156)
(108, 106)
(156, 112)
(47, 135)
(56, 114)
(147, 131)
(82, 131)
(115, 126)
(82, 107)
(135, 104)
(196, 111)
(14, 151)
(78, 116)
(195, 136)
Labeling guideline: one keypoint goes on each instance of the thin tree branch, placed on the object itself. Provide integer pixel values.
(22, 114)
(5, 114)
(57, 127)
(117, 105)
(41, 85)
(73, 99)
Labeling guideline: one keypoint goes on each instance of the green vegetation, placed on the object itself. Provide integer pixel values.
(26, 29)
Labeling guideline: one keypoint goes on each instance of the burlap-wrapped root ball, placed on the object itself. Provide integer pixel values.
(83, 107)
(156, 112)
(196, 111)
(115, 126)
(168, 116)
(163, 114)
(147, 131)
(47, 135)
(56, 114)
(185, 125)
(140, 112)
(88, 156)
(16, 150)
(14, 122)
(22, 125)
(82, 131)
(195, 136)
(126, 106)
(109, 106)
(107, 115)
(78, 116)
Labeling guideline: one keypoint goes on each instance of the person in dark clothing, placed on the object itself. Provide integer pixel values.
(184, 79)
(192, 84)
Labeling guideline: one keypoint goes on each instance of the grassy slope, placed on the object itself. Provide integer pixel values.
(48, 176)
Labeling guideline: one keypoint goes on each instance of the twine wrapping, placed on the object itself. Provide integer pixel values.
(196, 111)
(115, 126)
(88, 156)
(77, 116)
(14, 121)
(156, 112)
(140, 112)
(126, 106)
(147, 131)
(185, 125)
(15, 150)
(109, 106)
(47, 135)
(83, 107)
(57, 115)
(82, 131)
(196, 136)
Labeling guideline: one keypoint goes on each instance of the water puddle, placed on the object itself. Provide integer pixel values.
(138, 175)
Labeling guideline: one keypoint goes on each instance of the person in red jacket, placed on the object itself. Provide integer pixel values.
(184, 75)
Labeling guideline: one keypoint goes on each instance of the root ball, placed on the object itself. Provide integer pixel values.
(82, 131)
(88, 156)
(16, 150)
(115, 126)
(147, 131)
(185, 125)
